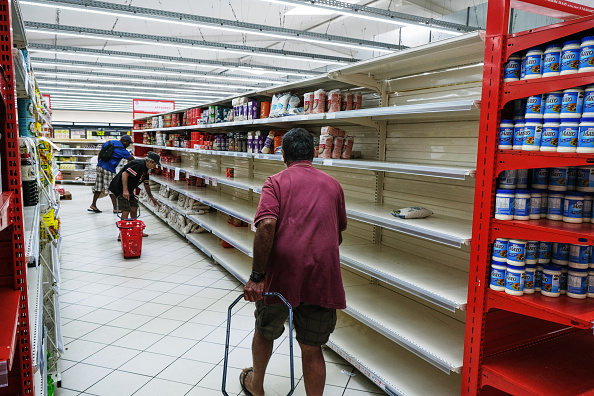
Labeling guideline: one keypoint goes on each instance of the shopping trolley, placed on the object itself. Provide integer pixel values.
(131, 234)
(290, 340)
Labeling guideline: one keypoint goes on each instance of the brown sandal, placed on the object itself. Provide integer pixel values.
(242, 376)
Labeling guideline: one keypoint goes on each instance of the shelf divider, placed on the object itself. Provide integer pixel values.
(544, 230)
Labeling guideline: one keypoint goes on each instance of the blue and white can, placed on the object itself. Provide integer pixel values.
(522, 178)
(521, 210)
(550, 135)
(538, 278)
(570, 57)
(588, 109)
(535, 107)
(523, 68)
(563, 279)
(587, 212)
(585, 179)
(551, 280)
(573, 206)
(553, 104)
(519, 136)
(532, 135)
(577, 283)
(587, 54)
(508, 179)
(568, 135)
(500, 249)
(534, 63)
(529, 282)
(504, 204)
(532, 252)
(586, 136)
(511, 71)
(555, 205)
(591, 283)
(497, 281)
(573, 103)
(544, 252)
(516, 252)
(572, 172)
(551, 60)
(506, 134)
(560, 253)
(535, 204)
(515, 276)
(558, 179)
(579, 254)
(544, 204)
(540, 178)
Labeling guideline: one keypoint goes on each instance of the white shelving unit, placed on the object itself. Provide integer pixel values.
(31, 233)
(406, 280)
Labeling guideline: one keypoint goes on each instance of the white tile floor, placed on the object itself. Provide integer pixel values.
(154, 325)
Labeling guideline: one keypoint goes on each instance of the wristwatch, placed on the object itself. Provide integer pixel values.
(257, 277)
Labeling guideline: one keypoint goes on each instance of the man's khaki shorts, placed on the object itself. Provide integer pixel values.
(124, 204)
(313, 324)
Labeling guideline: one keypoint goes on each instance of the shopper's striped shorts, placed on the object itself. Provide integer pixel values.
(103, 180)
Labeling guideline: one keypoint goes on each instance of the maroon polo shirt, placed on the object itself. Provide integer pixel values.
(304, 265)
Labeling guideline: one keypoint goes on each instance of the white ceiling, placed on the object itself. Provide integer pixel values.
(77, 81)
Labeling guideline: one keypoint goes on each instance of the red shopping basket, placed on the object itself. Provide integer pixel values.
(131, 233)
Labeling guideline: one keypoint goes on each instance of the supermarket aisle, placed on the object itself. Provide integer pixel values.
(156, 325)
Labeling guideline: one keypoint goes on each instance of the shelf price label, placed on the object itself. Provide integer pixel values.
(214, 182)
(176, 176)
(206, 180)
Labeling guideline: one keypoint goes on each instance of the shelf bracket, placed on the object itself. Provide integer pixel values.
(363, 80)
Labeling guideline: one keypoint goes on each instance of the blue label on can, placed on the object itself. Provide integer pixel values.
(521, 206)
(553, 104)
(551, 62)
(535, 205)
(538, 279)
(532, 135)
(591, 283)
(512, 69)
(585, 178)
(570, 59)
(579, 254)
(558, 177)
(586, 137)
(533, 65)
(500, 248)
(519, 135)
(497, 277)
(573, 207)
(504, 205)
(522, 178)
(560, 251)
(572, 104)
(587, 212)
(544, 251)
(550, 283)
(544, 204)
(572, 178)
(568, 136)
(532, 251)
(588, 103)
(577, 284)
(587, 57)
(506, 136)
(563, 281)
(516, 252)
(508, 179)
(540, 177)
(555, 206)
(534, 106)
(514, 281)
(550, 136)
(529, 281)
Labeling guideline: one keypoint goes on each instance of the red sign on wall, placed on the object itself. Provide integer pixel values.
(147, 106)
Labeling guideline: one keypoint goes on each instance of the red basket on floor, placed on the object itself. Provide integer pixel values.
(131, 233)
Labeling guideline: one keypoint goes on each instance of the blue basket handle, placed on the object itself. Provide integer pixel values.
(266, 294)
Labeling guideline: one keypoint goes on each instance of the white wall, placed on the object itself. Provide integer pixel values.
(101, 117)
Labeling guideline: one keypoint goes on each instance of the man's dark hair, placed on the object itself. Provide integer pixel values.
(298, 145)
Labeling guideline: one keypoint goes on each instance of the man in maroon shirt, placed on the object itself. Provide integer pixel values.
(299, 222)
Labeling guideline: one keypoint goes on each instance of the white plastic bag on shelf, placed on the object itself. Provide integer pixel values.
(413, 212)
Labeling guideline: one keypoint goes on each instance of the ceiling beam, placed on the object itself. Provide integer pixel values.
(219, 24)
(378, 14)
(166, 59)
(182, 42)
(135, 68)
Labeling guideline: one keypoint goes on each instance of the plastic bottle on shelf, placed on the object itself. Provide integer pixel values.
(573, 103)
(558, 178)
(568, 135)
(550, 135)
(587, 54)
(586, 136)
(519, 136)
(573, 206)
(555, 205)
(497, 280)
(515, 277)
(588, 107)
(529, 282)
(521, 210)
(535, 204)
(551, 60)
(540, 178)
(544, 204)
(535, 106)
(504, 204)
(570, 57)
(522, 181)
(551, 275)
(560, 253)
(512, 68)
(538, 278)
(553, 104)
(506, 134)
(500, 249)
(534, 63)
(531, 252)
(544, 252)
(577, 283)
(579, 256)
(532, 134)
(516, 252)
(508, 179)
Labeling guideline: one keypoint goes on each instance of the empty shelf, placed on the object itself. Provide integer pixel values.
(240, 237)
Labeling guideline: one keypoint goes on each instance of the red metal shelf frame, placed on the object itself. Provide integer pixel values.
(481, 370)
(9, 312)
(12, 249)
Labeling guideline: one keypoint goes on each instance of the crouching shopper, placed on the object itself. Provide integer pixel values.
(130, 177)
(299, 222)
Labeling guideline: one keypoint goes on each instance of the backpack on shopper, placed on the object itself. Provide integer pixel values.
(106, 152)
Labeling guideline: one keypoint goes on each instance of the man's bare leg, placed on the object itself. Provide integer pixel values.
(261, 352)
(314, 369)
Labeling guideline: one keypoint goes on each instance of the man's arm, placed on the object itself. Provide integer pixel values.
(126, 193)
(263, 242)
(130, 158)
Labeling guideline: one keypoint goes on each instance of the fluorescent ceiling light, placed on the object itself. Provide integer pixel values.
(141, 91)
(249, 69)
(86, 84)
(303, 10)
(355, 14)
(101, 97)
(306, 9)
(162, 73)
(177, 45)
(143, 80)
(139, 95)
